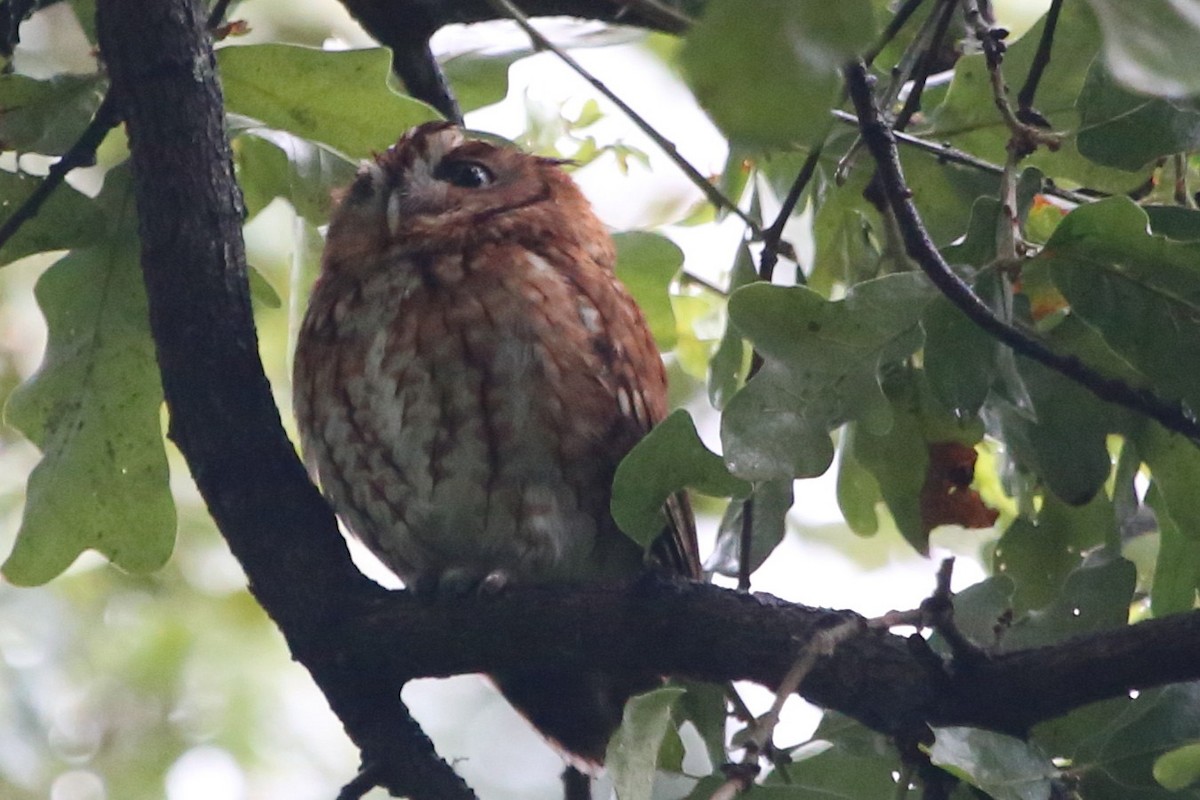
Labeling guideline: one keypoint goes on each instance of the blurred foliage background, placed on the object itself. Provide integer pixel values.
(145, 681)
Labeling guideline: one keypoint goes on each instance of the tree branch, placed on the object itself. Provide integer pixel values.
(405, 27)
(164, 84)
(874, 676)
(881, 141)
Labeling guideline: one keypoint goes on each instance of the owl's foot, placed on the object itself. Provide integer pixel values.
(460, 583)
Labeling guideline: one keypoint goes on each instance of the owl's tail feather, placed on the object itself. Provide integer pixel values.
(577, 711)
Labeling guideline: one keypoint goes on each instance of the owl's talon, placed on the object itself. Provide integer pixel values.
(494, 582)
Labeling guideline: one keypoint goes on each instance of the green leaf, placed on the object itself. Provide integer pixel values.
(1179, 768)
(1150, 45)
(767, 71)
(959, 357)
(274, 164)
(703, 704)
(1063, 442)
(845, 760)
(845, 247)
(945, 193)
(821, 363)
(633, 752)
(68, 219)
(93, 408)
(728, 366)
(647, 264)
(1175, 466)
(1039, 556)
(898, 460)
(1141, 291)
(1129, 131)
(479, 79)
(857, 490)
(1177, 569)
(668, 459)
(1095, 597)
(1003, 766)
(771, 502)
(46, 116)
(340, 98)
(1116, 761)
(1174, 222)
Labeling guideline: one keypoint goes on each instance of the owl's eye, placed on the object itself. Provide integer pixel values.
(467, 174)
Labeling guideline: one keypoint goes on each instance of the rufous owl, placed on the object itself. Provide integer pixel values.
(468, 376)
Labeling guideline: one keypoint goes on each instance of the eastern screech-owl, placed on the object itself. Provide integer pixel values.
(468, 375)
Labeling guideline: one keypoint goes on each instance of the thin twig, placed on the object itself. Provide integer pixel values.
(217, 15)
(773, 235)
(900, 74)
(366, 780)
(953, 155)
(668, 147)
(1009, 242)
(893, 27)
(882, 144)
(822, 644)
(703, 283)
(912, 103)
(772, 238)
(1025, 138)
(669, 19)
(80, 154)
(938, 611)
(1025, 110)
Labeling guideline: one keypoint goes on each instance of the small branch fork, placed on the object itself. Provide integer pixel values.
(1025, 137)
(936, 612)
(881, 142)
(822, 644)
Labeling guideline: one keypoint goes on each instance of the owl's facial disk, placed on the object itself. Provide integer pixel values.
(434, 171)
(436, 191)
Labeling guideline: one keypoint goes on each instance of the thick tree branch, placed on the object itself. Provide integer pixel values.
(879, 678)
(165, 86)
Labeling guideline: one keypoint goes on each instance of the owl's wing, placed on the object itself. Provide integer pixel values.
(676, 547)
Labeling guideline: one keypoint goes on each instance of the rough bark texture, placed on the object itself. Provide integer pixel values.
(222, 415)
(361, 643)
